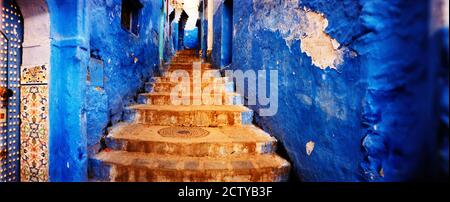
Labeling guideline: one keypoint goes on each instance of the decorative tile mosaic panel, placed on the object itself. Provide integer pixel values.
(34, 133)
(34, 75)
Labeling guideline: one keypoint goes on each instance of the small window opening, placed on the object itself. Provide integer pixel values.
(130, 15)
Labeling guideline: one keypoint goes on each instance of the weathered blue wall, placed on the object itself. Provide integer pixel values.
(204, 38)
(175, 36)
(439, 54)
(191, 39)
(217, 37)
(370, 118)
(129, 61)
(227, 33)
(69, 58)
(398, 104)
(223, 34)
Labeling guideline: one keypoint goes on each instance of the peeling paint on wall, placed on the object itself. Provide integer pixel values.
(299, 23)
(323, 106)
(323, 50)
(310, 147)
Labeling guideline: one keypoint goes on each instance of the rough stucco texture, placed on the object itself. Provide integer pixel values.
(128, 62)
(356, 103)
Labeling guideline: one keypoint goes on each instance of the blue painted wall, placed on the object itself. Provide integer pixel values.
(398, 105)
(204, 38)
(175, 36)
(69, 58)
(217, 36)
(98, 68)
(439, 54)
(223, 34)
(227, 33)
(371, 118)
(129, 61)
(191, 40)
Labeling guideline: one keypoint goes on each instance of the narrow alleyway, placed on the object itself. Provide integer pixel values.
(174, 143)
(295, 90)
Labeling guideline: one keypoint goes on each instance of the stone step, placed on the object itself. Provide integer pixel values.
(164, 98)
(188, 65)
(191, 115)
(203, 69)
(165, 85)
(191, 141)
(183, 59)
(120, 166)
(167, 79)
(211, 72)
(186, 52)
(169, 86)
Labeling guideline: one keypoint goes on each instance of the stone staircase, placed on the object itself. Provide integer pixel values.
(189, 143)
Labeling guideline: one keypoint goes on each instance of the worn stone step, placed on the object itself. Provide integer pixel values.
(168, 79)
(186, 52)
(187, 64)
(189, 67)
(169, 86)
(164, 98)
(191, 115)
(191, 141)
(181, 59)
(214, 73)
(163, 84)
(120, 166)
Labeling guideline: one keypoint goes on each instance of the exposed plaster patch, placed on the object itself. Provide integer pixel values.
(310, 147)
(323, 50)
(296, 23)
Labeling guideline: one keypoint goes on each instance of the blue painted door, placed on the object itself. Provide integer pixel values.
(11, 38)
